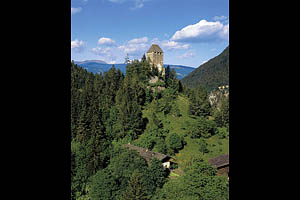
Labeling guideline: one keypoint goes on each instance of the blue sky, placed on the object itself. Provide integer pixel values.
(190, 32)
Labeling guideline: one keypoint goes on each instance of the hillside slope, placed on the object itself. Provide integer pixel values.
(181, 125)
(211, 74)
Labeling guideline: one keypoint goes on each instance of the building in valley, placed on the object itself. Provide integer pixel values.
(149, 155)
(221, 163)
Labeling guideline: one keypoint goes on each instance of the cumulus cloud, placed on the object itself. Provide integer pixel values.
(169, 45)
(105, 53)
(106, 41)
(138, 40)
(133, 49)
(187, 55)
(136, 46)
(203, 31)
(75, 10)
(220, 18)
(77, 45)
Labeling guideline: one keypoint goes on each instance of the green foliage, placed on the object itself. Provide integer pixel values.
(155, 176)
(135, 189)
(123, 163)
(203, 128)
(104, 186)
(80, 173)
(222, 132)
(203, 146)
(175, 142)
(222, 115)
(200, 105)
(211, 74)
(160, 146)
(198, 182)
(110, 109)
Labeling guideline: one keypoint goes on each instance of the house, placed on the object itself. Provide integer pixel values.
(149, 155)
(221, 163)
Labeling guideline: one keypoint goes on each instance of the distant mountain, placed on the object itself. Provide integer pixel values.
(211, 74)
(97, 67)
(90, 61)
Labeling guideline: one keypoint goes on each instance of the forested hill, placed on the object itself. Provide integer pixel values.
(151, 111)
(211, 74)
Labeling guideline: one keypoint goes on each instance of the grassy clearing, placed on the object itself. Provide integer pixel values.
(179, 125)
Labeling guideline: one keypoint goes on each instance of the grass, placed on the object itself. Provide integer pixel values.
(179, 125)
(173, 174)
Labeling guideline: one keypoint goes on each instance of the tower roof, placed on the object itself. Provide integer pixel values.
(154, 48)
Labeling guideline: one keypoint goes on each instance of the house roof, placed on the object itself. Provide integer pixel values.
(219, 161)
(154, 48)
(146, 154)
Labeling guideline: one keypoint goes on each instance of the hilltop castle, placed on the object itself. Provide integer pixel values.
(155, 56)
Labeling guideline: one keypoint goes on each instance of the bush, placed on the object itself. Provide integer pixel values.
(174, 166)
(222, 132)
(175, 142)
(204, 128)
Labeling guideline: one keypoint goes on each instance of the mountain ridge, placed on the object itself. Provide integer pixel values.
(94, 67)
(211, 74)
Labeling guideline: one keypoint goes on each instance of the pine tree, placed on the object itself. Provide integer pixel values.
(82, 129)
(199, 105)
(136, 189)
(127, 59)
(156, 175)
(203, 146)
(144, 58)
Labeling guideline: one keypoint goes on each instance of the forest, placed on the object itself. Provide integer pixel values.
(212, 74)
(112, 109)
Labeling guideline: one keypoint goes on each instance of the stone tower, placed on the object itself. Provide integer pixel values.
(155, 56)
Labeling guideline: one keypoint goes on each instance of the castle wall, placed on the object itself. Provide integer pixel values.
(156, 59)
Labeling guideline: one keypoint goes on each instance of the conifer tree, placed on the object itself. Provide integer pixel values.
(156, 175)
(82, 130)
(199, 105)
(144, 57)
(136, 189)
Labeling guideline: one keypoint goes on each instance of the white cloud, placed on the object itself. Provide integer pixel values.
(220, 18)
(106, 41)
(187, 55)
(106, 53)
(137, 3)
(136, 46)
(224, 34)
(112, 62)
(203, 31)
(75, 10)
(138, 40)
(133, 49)
(101, 51)
(169, 45)
(77, 45)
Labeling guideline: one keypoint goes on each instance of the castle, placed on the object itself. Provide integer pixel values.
(155, 56)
